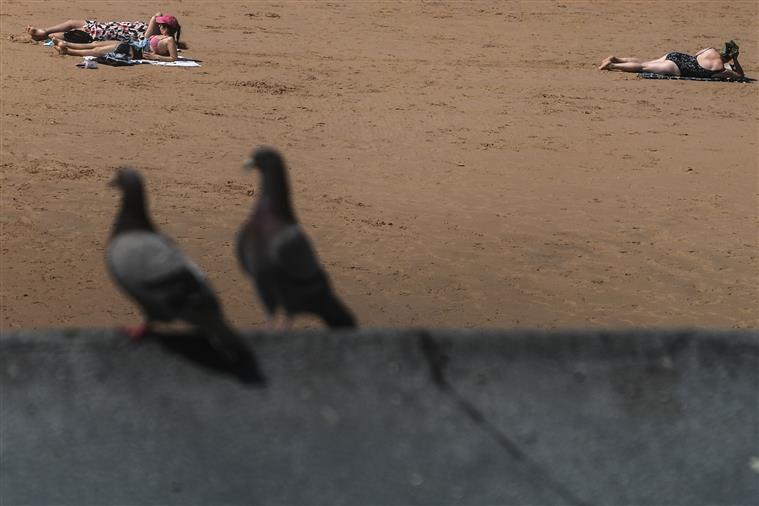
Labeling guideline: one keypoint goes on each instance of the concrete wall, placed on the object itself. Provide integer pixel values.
(383, 417)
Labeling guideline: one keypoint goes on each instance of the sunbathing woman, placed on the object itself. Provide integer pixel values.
(706, 63)
(161, 39)
(160, 46)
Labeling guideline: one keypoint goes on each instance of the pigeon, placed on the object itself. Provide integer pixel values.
(276, 253)
(151, 269)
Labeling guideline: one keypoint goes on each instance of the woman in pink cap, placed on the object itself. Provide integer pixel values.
(163, 45)
(160, 42)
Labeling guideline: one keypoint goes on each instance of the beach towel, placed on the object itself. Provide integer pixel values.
(181, 62)
(651, 75)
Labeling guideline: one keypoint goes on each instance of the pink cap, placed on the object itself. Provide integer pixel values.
(167, 19)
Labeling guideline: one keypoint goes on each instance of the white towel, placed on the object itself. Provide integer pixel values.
(182, 62)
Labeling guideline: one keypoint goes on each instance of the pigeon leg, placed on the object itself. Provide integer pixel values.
(137, 332)
(286, 323)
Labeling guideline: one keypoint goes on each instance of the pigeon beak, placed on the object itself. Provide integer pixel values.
(249, 164)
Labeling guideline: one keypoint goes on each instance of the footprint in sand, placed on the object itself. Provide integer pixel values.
(21, 39)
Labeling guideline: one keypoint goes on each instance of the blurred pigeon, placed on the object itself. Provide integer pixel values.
(166, 284)
(274, 250)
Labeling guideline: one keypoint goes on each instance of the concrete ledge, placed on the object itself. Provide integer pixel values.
(383, 417)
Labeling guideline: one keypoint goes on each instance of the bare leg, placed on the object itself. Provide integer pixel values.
(661, 66)
(657, 66)
(42, 34)
(658, 60)
(615, 59)
(98, 51)
(90, 45)
(626, 67)
(608, 62)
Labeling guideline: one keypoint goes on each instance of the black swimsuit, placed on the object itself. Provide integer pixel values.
(689, 66)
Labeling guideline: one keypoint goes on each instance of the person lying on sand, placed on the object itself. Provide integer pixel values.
(123, 31)
(161, 39)
(161, 46)
(706, 63)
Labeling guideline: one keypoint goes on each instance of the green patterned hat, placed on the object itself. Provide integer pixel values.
(729, 50)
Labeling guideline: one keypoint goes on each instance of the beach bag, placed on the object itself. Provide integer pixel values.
(115, 59)
(77, 36)
(119, 57)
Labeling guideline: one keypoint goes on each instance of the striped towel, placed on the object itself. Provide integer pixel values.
(651, 75)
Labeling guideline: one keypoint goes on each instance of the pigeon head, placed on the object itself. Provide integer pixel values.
(264, 158)
(127, 180)
(276, 188)
(133, 215)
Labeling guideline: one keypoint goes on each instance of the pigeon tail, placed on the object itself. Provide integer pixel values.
(336, 315)
(235, 352)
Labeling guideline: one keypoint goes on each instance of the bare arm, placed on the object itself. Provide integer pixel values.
(152, 27)
(737, 67)
(729, 74)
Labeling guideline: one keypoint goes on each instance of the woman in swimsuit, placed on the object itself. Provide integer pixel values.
(706, 63)
(160, 42)
(163, 45)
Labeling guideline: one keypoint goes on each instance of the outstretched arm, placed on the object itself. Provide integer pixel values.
(153, 26)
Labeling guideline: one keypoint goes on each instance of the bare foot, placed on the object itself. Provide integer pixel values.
(57, 41)
(608, 61)
(36, 33)
(62, 49)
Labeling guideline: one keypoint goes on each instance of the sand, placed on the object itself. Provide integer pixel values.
(456, 164)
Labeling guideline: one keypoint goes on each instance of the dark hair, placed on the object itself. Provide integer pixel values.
(176, 33)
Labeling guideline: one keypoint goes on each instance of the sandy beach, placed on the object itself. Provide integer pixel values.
(456, 164)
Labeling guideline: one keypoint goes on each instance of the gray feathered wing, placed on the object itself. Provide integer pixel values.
(302, 283)
(153, 270)
(169, 286)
